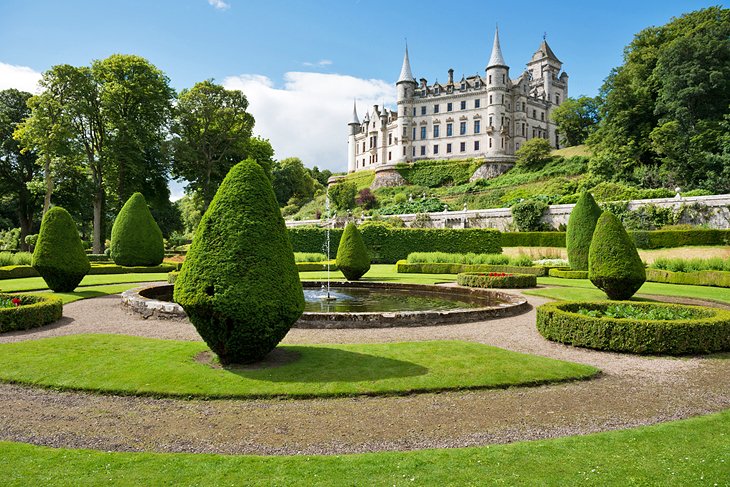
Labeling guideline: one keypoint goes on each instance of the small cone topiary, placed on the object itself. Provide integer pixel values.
(59, 256)
(614, 265)
(352, 255)
(136, 238)
(581, 225)
(240, 286)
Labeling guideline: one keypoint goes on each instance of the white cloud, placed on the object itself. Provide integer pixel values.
(320, 63)
(308, 116)
(18, 77)
(219, 4)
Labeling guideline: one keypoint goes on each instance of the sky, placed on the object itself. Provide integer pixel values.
(302, 63)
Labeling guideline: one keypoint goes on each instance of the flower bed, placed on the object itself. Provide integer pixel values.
(496, 280)
(697, 330)
(24, 311)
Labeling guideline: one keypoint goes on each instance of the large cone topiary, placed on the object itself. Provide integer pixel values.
(136, 238)
(352, 255)
(581, 224)
(59, 256)
(614, 265)
(239, 285)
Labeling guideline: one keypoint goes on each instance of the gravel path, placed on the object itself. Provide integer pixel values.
(631, 391)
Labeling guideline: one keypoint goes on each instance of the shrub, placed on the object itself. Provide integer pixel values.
(527, 215)
(533, 239)
(581, 224)
(136, 238)
(15, 258)
(468, 258)
(59, 256)
(496, 280)
(309, 257)
(353, 259)
(34, 311)
(533, 154)
(568, 274)
(239, 285)
(172, 277)
(692, 278)
(342, 195)
(438, 173)
(708, 331)
(614, 265)
(366, 199)
(17, 272)
(404, 267)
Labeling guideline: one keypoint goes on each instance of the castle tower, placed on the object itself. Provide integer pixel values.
(498, 121)
(544, 68)
(406, 86)
(354, 126)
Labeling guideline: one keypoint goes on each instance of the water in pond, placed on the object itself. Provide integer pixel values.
(362, 300)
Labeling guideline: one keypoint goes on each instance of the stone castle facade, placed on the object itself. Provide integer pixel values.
(484, 117)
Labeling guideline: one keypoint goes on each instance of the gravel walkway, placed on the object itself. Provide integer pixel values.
(631, 391)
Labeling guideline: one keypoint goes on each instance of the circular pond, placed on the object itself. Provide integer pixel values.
(363, 304)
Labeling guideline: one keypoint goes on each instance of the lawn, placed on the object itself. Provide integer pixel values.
(689, 452)
(38, 284)
(122, 364)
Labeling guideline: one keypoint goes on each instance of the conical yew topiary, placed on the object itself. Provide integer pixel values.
(239, 284)
(614, 265)
(136, 238)
(59, 256)
(352, 255)
(581, 225)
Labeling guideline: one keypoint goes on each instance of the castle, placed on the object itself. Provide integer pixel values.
(486, 117)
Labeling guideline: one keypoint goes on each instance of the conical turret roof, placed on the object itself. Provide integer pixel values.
(354, 120)
(496, 59)
(405, 71)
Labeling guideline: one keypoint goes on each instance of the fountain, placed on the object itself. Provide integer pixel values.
(328, 222)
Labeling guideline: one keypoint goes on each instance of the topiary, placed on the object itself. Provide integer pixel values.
(239, 285)
(59, 256)
(352, 255)
(581, 225)
(136, 238)
(614, 265)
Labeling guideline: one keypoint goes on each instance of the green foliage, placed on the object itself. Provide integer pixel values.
(10, 239)
(15, 258)
(136, 238)
(533, 154)
(59, 256)
(468, 258)
(292, 180)
(342, 195)
(404, 267)
(566, 274)
(581, 224)
(362, 179)
(527, 215)
(690, 265)
(239, 285)
(716, 278)
(432, 174)
(576, 119)
(533, 239)
(630, 311)
(614, 265)
(353, 259)
(707, 331)
(34, 311)
(309, 257)
(427, 205)
(496, 280)
(366, 199)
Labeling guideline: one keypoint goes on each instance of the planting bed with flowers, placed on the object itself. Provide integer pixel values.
(24, 311)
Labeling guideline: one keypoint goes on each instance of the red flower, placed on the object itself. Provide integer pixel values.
(15, 301)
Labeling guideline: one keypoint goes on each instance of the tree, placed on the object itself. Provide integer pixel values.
(211, 131)
(353, 259)
(239, 285)
(533, 154)
(17, 167)
(260, 150)
(292, 180)
(576, 119)
(581, 225)
(342, 195)
(320, 175)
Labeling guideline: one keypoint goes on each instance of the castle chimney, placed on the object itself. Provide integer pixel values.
(451, 76)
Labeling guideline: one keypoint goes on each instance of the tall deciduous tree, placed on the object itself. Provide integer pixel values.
(292, 180)
(576, 119)
(211, 132)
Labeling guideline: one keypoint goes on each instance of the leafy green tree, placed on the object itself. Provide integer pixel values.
(292, 180)
(260, 150)
(211, 131)
(18, 168)
(191, 211)
(533, 154)
(576, 119)
(342, 195)
(320, 175)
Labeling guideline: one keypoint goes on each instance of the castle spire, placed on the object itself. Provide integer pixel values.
(496, 58)
(354, 120)
(405, 71)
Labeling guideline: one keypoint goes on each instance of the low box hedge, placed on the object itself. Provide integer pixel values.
(643, 239)
(404, 267)
(19, 271)
(496, 280)
(566, 273)
(709, 332)
(34, 311)
(172, 277)
(697, 278)
(315, 266)
(533, 239)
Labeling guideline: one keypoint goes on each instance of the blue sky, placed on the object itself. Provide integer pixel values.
(302, 62)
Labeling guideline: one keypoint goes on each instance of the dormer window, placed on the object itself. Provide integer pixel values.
(463, 86)
(423, 92)
(436, 90)
(477, 84)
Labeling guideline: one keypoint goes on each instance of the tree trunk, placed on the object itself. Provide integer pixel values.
(49, 183)
(25, 216)
(98, 245)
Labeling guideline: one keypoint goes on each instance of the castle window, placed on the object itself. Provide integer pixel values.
(423, 150)
(490, 99)
(477, 103)
(533, 133)
(490, 79)
(502, 142)
(502, 99)
(435, 131)
(448, 148)
(404, 151)
(423, 92)
(436, 90)
(542, 116)
(490, 142)
(423, 133)
(523, 129)
(414, 133)
(389, 155)
(363, 146)
(463, 105)
(463, 86)
(414, 111)
(414, 152)
(477, 84)
(503, 79)
(476, 145)
(390, 138)
(449, 129)
(462, 128)
(477, 126)
(435, 149)
(502, 122)
(534, 114)
(557, 98)
(435, 109)
(423, 110)
(490, 121)
(449, 107)
(462, 147)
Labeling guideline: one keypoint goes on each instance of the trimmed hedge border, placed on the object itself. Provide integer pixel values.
(533, 239)
(19, 271)
(172, 277)
(697, 278)
(403, 267)
(560, 322)
(643, 239)
(33, 312)
(479, 279)
(565, 273)
(315, 266)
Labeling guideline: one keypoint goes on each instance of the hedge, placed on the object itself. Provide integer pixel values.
(34, 311)
(510, 281)
(697, 278)
(387, 245)
(533, 239)
(565, 273)
(643, 239)
(403, 267)
(560, 322)
(18, 271)
(172, 277)
(315, 266)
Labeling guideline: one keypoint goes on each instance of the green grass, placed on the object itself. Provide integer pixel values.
(90, 292)
(382, 273)
(144, 366)
(38, 284)
(576, 150)
(695, 451)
